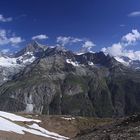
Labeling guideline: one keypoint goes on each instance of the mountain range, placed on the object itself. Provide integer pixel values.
(53, 80)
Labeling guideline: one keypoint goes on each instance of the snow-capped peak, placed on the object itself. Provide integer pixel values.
(132, 63)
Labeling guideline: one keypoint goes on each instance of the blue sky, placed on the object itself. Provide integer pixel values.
(102, 22)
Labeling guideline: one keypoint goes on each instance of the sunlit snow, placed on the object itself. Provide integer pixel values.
(7, 123)
(69, 61)
(121, 61)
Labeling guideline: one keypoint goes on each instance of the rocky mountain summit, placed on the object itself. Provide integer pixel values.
(53, 80)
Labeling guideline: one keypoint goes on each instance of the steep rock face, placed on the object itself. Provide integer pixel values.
(33, 47)
(60, 82)
(125, 94)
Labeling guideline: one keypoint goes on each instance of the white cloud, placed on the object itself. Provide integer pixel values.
(4, 51)
(134, 14)
(114, 50)
(6, 38)
(132, 37)
(88, 45)
(3, 19)
(15, 40)
(40, 37)
(63, 40)
(134, 55)
(120, 49)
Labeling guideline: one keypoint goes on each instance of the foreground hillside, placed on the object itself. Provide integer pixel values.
(42, 127)
(38, 127)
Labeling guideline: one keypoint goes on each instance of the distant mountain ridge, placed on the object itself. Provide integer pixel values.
(53, 80)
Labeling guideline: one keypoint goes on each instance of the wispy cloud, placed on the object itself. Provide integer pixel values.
(15, 40)
(7, 39)
(40, 37)
(85, 44)
(122, 25)
(65, 40)
(134, 14)
(5, 19)
(4, 51)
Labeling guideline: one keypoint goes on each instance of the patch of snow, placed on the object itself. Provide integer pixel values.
(29, 104)
(14, 117)
(44, 131)
(91, 52)
(13, 62)
(29, 108)
(12, 96)
(30, 60)
(80, 53)
(30, 97)
(8, 62)
(52, 47)
(5, 79)
(122, 61)
(69, 61)
(28, 53)
(90, 63)
(69, 119)
(10, 126)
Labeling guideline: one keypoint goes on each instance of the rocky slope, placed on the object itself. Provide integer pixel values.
(121, 129)
(61, 82)
(42, 127)
(57, 127)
